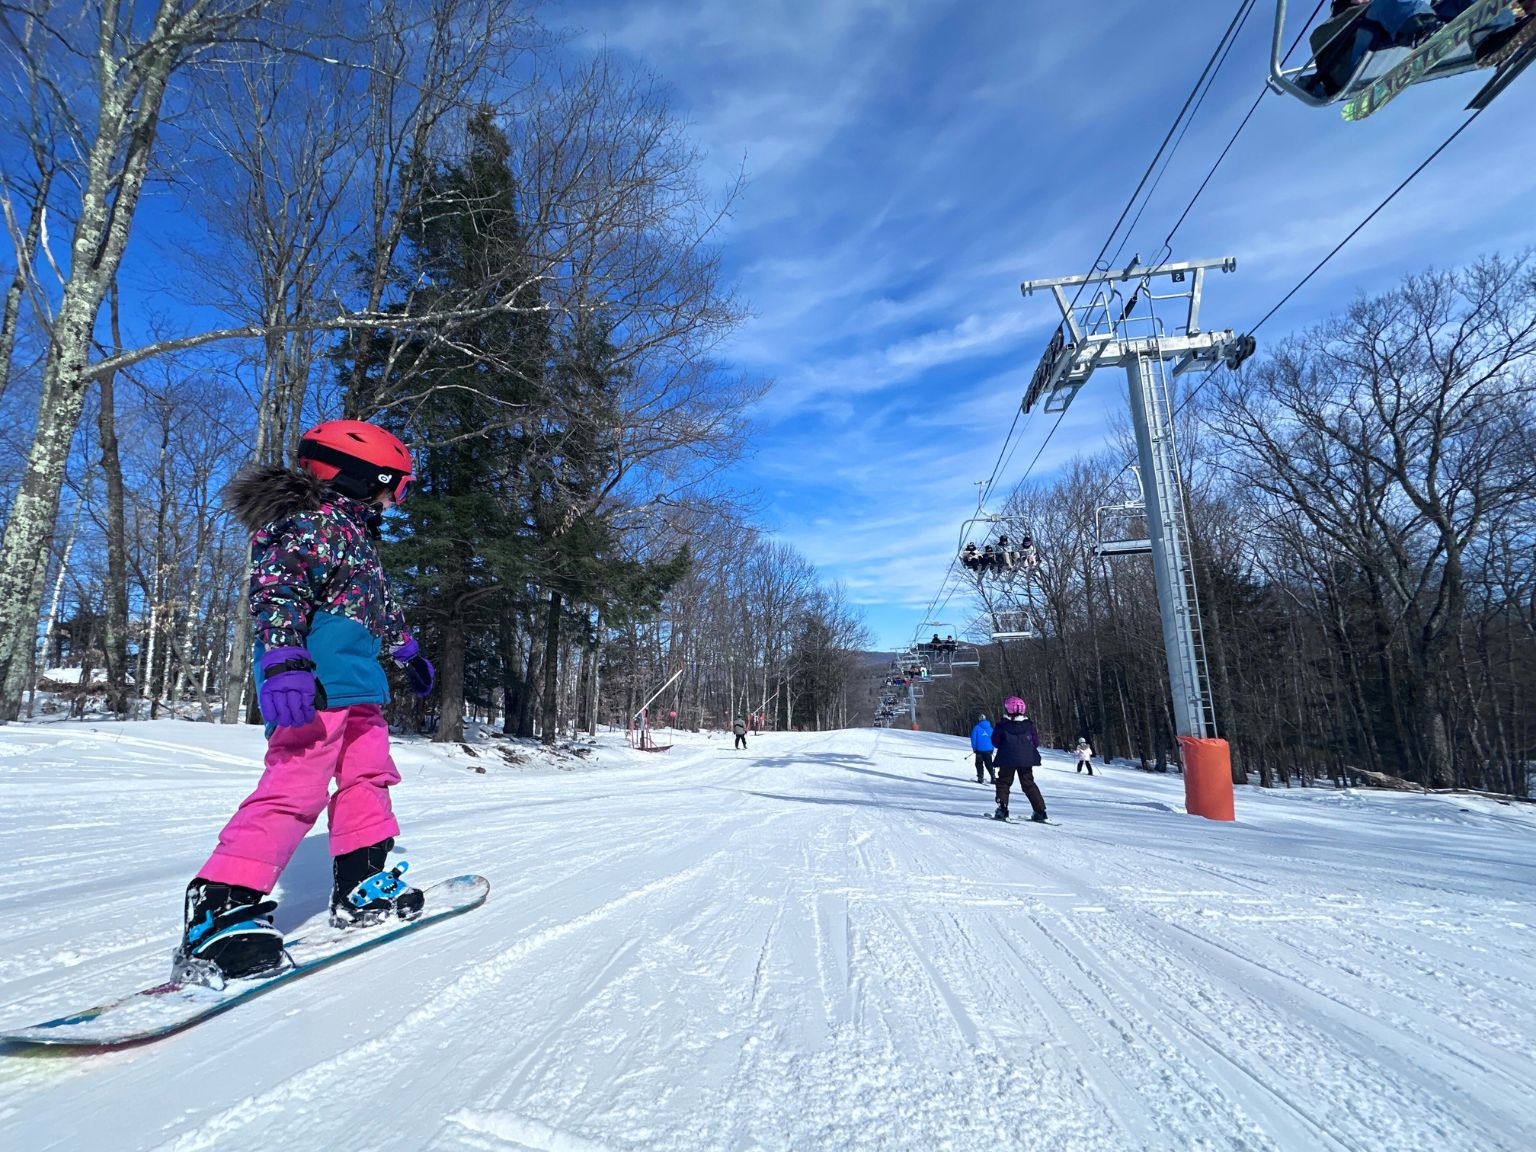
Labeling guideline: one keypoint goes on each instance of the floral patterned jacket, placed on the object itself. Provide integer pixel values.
(316, 580)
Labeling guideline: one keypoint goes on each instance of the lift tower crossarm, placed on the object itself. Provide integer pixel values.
(1133, 271)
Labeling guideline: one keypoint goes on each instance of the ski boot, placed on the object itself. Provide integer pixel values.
(1001, 813)
(364, 893)
(228, 935)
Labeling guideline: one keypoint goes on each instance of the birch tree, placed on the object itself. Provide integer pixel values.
(134, 59)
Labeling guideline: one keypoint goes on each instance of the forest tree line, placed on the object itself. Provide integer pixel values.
(431, 214)
(1362, 507)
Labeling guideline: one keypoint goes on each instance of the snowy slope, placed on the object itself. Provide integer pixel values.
(816, 944)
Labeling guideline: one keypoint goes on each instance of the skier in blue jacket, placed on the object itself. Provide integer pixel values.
(981, 744)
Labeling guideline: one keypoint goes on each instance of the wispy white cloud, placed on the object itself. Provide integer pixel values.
(910, 161)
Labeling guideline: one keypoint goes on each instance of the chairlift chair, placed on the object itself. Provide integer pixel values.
(1112, 542)
(1012, 624)
(965, 656)
(1449, 50)
(1126, 534)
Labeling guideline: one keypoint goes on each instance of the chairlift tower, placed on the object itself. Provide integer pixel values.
(1101, 328)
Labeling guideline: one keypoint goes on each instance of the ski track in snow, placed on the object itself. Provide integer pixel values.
(816, 943)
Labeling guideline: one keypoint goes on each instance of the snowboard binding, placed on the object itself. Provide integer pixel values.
(228, 935)
(376, 898)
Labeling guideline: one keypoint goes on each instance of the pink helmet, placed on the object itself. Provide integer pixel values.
(1014, 706)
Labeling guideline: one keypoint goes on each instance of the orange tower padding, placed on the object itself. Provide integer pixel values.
(1207, 778)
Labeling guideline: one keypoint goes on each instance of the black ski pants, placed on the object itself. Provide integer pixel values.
(741, 739)
(984, 762)
(1005, 774)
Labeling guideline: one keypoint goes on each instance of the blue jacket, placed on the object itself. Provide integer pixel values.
(981, 736)
(1017, 744)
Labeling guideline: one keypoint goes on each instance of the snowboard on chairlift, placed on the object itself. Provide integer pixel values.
(1411, 69)
(166, 1008)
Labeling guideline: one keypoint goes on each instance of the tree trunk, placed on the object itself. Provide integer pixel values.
(450, 723)
(525, 706)
(127, 103)
(17, 286)
(116, 641)
(550, 718)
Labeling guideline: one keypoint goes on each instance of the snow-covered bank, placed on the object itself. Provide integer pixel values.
(818, 943)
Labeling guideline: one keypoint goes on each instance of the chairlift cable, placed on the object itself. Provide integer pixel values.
(1191, 105)
(1316, 268)
(1189, 120)
(1257, 100)
(1212, 65)
(1202, 87)
(1191, 102)
(1353, 232)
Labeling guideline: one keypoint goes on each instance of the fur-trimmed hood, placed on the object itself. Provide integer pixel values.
(263, 493)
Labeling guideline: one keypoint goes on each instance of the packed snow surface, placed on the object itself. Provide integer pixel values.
(818, 943)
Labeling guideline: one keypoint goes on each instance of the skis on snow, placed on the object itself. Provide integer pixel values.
(155, 1012)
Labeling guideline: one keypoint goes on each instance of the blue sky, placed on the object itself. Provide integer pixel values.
(911, 161)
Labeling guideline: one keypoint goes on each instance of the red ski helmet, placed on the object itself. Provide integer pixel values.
(1014, 706)
(356, 458)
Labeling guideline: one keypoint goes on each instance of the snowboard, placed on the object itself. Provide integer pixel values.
(1019, 820)
(166, 1008)
(1445, 40)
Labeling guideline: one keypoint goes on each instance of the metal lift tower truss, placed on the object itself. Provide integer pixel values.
(1106, 331)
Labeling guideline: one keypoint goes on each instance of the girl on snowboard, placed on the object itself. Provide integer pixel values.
(1018, 750)
(322, 612)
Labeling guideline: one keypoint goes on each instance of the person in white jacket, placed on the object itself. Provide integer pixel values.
(1084, 755)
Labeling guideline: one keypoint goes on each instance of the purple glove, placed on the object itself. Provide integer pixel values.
(419, 673)
(288, 687)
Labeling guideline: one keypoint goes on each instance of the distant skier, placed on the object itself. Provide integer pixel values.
(981, 744)
(1018, 750)
(323, 611)
(1084, 755)
(740, 728)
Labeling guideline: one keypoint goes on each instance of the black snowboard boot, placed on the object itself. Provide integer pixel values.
(364, 893)
(1001, 813)
(1039, 817)
(228, 935)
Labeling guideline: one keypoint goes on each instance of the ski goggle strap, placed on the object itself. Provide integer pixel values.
(360, 472)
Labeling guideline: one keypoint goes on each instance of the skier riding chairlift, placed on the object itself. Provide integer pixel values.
(1361, 41)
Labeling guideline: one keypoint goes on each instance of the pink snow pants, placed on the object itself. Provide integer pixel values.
(348, 745)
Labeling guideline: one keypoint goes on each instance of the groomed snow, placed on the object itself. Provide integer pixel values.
(819, 943)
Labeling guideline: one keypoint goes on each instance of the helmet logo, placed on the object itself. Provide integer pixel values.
(385, 477)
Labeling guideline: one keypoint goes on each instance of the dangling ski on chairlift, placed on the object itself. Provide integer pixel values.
(1366, 53)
